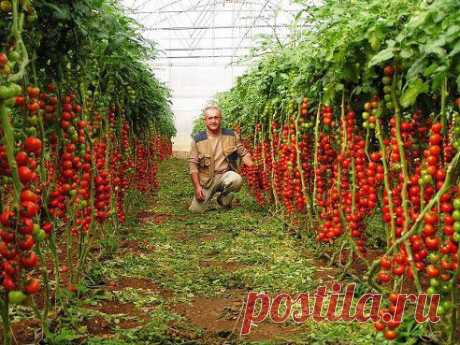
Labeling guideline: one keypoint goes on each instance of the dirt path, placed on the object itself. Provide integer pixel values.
(180, 278)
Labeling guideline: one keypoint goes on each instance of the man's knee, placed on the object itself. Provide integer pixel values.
(238, 181)
(233, 181)
(197, 207)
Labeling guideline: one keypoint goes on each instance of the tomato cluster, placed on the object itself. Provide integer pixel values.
(121, 167)
(387, 323)
(327, 116)
(384, 164)
(17, 257)
(68, 165)
(74, 143)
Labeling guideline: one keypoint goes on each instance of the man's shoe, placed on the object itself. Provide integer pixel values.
(225, 201)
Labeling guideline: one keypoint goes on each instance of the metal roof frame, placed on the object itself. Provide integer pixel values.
(193, 21)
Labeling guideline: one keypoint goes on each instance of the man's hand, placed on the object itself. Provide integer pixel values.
(247, 160)
(199, 193)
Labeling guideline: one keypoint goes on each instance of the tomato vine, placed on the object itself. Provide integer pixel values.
(396, 64)
(83, 121)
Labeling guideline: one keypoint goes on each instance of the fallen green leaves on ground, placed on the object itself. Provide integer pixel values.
(189, 262)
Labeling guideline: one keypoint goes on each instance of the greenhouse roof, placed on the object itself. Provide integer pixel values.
(203, 45)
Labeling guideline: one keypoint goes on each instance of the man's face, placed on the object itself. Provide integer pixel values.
(212, 120)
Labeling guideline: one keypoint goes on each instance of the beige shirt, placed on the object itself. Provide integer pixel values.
(220, 163)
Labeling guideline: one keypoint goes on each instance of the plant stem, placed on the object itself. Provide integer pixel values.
(451, 170)
(444, 95)
(404, 194)
(315, 157)
(8, 137)
(301, 172)
(386, 182)
(272, 153)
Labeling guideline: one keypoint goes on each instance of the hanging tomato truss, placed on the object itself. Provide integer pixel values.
(84, 123)
(355, 128)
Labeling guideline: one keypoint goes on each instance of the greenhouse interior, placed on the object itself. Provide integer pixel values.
(229, 172)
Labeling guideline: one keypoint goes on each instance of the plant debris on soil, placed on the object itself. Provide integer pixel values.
(182, 278)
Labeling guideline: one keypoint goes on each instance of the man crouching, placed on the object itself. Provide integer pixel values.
(214, 157)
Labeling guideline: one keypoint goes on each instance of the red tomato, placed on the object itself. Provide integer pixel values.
(383, 277)
(33, 286)
(9, 268)
(21, 158)
(390, 334)
(28, 195)
(33, 107)
(393, 297)
(48, 228)
(431, 218)
(398, 270)
(3, 59)
(429, 229)
(25, 174)
(29, 208)
(389, 70)
(432, 271)
(30, 261)
(379, 326)
(66, 116)
(435, 150)
(67, 107)
(27, 243)
(436, 127)
(9, 284)
(5, 217)
(20, 100)
(435, 139)
(33, 92)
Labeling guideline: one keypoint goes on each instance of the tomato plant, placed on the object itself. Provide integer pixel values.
(83, 121)
(357, 119)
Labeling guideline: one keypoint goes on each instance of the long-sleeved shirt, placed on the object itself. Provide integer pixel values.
(220, 163)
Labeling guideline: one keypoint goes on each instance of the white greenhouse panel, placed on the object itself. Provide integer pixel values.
(202, 45)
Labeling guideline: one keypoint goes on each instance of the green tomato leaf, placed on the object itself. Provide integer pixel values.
(411, 92)
(436, 47)
(416, 69)
(430, 69)
(452, 33)
(375, 37)
(329, 93)
(60, 12)
(455, 50)
(418, 20)
(382, 56)
(406, 53)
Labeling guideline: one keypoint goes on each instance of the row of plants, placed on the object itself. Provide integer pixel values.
(354, 123)
(84, 123)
